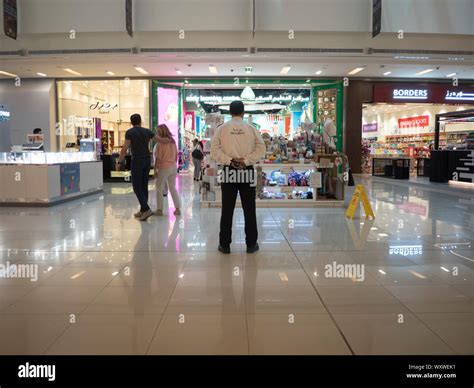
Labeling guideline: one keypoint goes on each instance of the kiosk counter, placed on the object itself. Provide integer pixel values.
(48, 178)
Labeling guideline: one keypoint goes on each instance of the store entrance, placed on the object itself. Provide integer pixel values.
(401, 136)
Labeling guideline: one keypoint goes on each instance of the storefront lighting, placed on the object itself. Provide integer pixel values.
(424, 71)
(285, 69)
(186, 81)
(318, 72)
(212, 69)
(451, 75)
(7, 73)
(387, 73)
(41, 74)
(110, 73)
(141, 70)
(247, 94)
(356, 70)
(72, 72)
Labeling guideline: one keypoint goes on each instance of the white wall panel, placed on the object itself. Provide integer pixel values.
(193, 15)
(313, 15)
(428, 16)
(56, 16)
(31, 105)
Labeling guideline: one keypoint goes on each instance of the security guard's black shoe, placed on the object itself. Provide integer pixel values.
(222, 249)
(253, 248)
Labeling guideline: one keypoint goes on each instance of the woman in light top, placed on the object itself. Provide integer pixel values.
(166, 170)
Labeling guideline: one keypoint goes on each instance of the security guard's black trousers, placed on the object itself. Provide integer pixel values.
(244, 184)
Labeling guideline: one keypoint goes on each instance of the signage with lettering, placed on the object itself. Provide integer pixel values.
(373, 127)
(410, 94)
(103, 107)
(406, 250)
(458, 96)
(423, 92)
(412, 122)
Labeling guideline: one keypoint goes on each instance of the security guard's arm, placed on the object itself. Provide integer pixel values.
(259, 151)
(216, 149)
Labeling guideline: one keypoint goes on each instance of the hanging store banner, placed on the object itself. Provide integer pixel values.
(129, 17)
(414, 122)
(10, 18)
(376, 17)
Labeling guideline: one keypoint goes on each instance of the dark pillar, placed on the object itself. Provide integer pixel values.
(357, 93)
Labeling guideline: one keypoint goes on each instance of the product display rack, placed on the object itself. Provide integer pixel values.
(285, 195)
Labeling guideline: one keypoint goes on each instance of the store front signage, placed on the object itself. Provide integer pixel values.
(423, 92)
(411, 122)
(103, 107)
(410, 94)
(218, 99)
(373, 127)
(459, 96)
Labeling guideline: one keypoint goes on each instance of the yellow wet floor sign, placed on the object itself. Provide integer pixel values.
(360, 194)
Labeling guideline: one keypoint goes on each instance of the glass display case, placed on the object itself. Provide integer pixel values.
(46, 157)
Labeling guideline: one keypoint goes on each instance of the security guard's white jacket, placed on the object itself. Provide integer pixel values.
(237, 139)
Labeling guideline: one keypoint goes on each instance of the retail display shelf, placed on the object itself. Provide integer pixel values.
(297, 203)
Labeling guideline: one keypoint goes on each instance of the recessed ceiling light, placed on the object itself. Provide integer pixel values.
(387, 73)
(110, 72)
(41, 74)
(451, 75)
(424, 71)
(72, 71)
(213, 69)
(356, 70)
(179, 72)
(248, 69)
(318, 72)
(7, 73)
(140, 70)
(285, 69)
(308, 80)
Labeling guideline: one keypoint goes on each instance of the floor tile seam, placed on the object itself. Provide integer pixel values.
(318, 295)
(155, 332)
(419, 320)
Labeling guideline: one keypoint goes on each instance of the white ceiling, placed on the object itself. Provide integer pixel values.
(232, 65)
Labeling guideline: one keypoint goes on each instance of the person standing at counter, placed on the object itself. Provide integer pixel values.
(39, 131)
(137, 139)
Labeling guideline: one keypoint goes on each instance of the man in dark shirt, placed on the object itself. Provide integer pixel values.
(138, 139)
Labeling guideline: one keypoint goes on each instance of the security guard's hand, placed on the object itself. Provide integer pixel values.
(238, 163)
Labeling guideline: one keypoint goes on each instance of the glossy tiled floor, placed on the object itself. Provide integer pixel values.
(108, 284)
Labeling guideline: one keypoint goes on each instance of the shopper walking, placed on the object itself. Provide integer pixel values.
(237, 146)
(198, 155)
(166, 170)
(165, 188)
(138, 139)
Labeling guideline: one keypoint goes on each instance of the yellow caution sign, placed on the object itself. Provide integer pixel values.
(360, 194)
